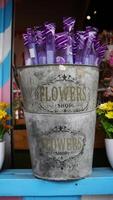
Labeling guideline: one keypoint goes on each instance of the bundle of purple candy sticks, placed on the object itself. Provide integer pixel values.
(44, 46)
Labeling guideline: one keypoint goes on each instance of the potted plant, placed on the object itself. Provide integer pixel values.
(4, 128)
(105, 115)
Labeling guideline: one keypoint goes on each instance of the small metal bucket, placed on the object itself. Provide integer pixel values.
(59, 103)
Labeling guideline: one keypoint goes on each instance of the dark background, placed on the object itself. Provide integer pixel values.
(29, 13)
(104, 17)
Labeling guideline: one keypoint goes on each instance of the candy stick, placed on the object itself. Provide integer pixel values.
(41, 45)
(61, 40)
(27, 58)
(32, 46)
(80, 37)
(68, 26)
(50, 42)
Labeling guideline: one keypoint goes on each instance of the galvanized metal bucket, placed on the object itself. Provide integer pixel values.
(59, 103)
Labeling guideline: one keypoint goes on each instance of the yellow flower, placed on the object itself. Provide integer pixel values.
(103, 106)
(106, 106)
(109, 115)
(3, 105)
(3, 114)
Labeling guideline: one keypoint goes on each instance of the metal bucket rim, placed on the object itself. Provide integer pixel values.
(55, 65)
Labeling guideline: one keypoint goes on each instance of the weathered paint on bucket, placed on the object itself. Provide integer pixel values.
(61, 146)
(59, 88)
(59, 103)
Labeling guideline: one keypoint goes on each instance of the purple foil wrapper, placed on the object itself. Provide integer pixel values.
(101, 52)
(68, 24)
(27, 58)
(50, 42)
(75, 46)
(97, 45)
(32, 46)
(89, 52)
(92, 55)
(43, 31)
(36, 28)
(90, 28)
(41, 45)
(70, 50)
(61, 41)
(79, 46)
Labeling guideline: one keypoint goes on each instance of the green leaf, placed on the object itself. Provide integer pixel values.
(100, 112)
(108, 127)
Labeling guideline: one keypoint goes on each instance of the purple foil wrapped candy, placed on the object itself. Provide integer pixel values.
(32, 46)
(95, 53)
(50, 42)
(43, 31)
(89, 52)
(68, 24)
(92, 55)
(61, 41)
(97, 44)
(80, 45)
(27, 58)
(75, 46)
(101, 52)
(41, 45)
(70, 50)
(36, 28)
(90, 28)
(91, 35)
